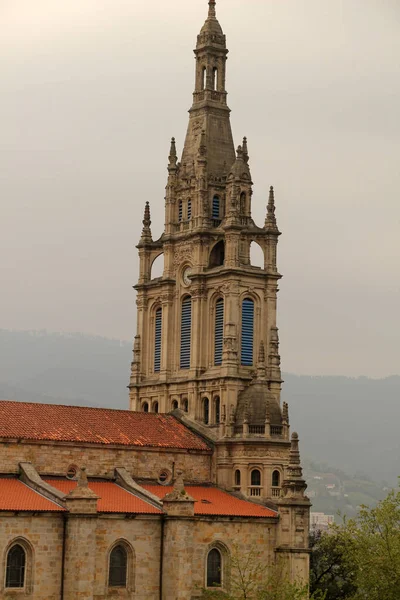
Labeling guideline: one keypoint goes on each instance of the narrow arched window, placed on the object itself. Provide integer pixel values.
(185, 404)
(155, 407)
(214, 568)
(180, 211)
(117, 574)
(204, 78)
(174, 404)
(216, 207)
(215, 78)
(189, 209)
(206, 410)
(242, 203)
(247, 332)
(16, 565)
(219, 331)
(145, 407)
(157, 340)
(186, 329)
(217, 409)
(256, 477)
(276, 479)
(237, 478)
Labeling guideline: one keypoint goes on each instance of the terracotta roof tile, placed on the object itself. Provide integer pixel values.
(15, 495)
(213, 501)
(55, 422)
(112, 498)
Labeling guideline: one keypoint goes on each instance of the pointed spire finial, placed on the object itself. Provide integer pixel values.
(211, 9)
(245, 151)
(172, 158)
(146, 231)
(270, 220)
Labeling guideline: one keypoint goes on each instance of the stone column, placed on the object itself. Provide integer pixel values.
(178, 543)
(80, 547)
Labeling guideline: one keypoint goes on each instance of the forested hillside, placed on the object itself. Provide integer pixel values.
(351, 424)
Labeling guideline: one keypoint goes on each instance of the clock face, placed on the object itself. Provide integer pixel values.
(185, 276)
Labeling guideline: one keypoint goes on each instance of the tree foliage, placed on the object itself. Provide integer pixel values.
(360, 559)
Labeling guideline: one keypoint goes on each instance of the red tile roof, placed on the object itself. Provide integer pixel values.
(112, 498)
(213, 501)
(15, 495)
(55, 422)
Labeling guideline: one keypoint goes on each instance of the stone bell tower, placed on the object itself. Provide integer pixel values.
(207, 343)
(207, 329)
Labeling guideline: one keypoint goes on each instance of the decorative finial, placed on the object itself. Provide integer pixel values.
(172, 158)
(245, 151)
(270, 220)
(146, 219)
(211, 9)
(146, 231)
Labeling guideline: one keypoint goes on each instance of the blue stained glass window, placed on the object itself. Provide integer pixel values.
(186, 327)
(157, 340)
(219, 331)
(216, 208)
(247, 332)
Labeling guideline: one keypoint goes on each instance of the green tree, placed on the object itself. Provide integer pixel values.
(360, 559)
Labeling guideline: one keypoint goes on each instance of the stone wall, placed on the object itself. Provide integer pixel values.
(42, 537)
(55, 458)
(89, 540)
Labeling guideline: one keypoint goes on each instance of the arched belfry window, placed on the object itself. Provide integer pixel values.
(242, 203)
(186, 329)
(276, 479)
(118, 567)
(180, 211)
(219, 331)
(214, 568)
(237, 478)
(247, 339)
(206, 410)
(217, 409)
(256, 477)
(216, 208)
(189, 209)
(157, 340)
(204, 78)
(215, 78)
(145, 407)
(16, 567)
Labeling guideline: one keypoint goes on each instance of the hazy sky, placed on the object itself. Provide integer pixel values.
(91, 92)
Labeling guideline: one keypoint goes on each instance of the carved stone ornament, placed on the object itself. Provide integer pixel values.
(182, 253)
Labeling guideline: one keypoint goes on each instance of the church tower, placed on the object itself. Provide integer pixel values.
(207, 341)
(206, 329)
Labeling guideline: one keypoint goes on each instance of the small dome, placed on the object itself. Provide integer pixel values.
(212, 26)
(252, 404)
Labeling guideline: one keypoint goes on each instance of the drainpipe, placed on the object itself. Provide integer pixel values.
(64, 538)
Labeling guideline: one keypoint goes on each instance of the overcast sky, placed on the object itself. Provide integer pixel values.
(91, 92)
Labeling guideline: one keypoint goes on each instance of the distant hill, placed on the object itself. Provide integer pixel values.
(351, 424)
